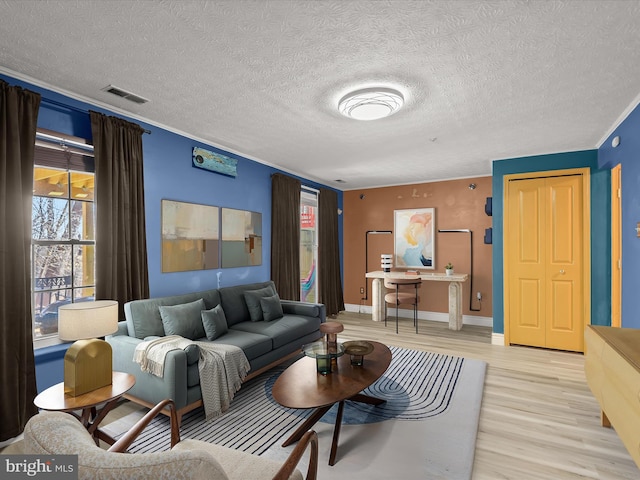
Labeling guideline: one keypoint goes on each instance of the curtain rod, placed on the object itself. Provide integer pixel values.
(76, 109)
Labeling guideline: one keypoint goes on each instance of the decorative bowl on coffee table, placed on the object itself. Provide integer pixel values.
(323, 354)
(357, 349)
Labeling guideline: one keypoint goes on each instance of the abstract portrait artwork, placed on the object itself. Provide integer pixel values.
(414, 232)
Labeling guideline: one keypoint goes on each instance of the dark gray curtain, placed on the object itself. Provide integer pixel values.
(18, 115)
(330, 280)
(285, 235)
(121, 263)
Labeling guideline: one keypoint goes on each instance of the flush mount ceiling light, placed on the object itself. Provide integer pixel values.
(371, 103)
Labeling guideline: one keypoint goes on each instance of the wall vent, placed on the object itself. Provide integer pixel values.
(124, 94)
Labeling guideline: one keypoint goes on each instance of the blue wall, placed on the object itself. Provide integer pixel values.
(627, 154)
(600, 227)
(169, 174)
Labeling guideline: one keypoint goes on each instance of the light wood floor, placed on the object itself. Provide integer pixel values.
(539, 419)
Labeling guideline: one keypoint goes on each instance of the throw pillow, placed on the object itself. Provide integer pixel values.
(252, 299)
(271, 308)
(183, 319)
(215, 323)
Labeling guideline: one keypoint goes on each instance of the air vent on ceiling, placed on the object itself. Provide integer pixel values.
(124, 94)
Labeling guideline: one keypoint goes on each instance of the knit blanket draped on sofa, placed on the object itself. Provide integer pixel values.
(222, 368)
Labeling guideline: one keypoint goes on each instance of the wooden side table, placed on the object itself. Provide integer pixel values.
(54, 399)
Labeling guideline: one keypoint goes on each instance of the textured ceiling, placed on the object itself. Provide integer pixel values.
(483, 80)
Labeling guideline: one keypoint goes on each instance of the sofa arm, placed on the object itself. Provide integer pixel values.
(148, 387)
(122, 328)
(307, 309)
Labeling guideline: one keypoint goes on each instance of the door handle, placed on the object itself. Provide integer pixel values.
(561, 272)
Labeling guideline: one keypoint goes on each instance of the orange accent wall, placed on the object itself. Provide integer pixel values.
(456, 207)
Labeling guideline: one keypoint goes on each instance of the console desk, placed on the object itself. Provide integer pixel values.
(455, 293)
(612, 368)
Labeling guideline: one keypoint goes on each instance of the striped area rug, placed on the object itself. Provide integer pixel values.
(420, 389)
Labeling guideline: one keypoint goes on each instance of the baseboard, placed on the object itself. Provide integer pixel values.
(422, 315)
(497, 339)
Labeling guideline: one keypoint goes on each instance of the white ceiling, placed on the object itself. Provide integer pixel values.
(483, 80)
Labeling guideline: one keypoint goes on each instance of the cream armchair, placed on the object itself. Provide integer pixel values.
(56, 433)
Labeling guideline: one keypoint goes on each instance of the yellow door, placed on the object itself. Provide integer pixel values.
(525, 226)
(545, 226)
(563, 273)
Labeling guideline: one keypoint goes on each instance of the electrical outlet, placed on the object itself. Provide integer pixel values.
(479, 296)
(362, 290)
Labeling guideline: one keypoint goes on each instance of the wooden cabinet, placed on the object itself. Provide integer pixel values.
(612, 368)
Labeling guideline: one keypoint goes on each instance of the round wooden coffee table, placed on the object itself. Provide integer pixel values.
(300, 386)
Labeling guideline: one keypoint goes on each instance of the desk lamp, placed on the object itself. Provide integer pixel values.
(88, 362)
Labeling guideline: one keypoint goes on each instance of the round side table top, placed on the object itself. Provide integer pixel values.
(331, 327)
(54, 398)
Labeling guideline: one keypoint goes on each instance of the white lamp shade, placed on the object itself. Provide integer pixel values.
(77, 321)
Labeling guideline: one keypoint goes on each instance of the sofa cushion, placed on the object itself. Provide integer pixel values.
(282, 331)
(271, 308)
(214, 321)
(252, 344)
(252, 298)
(184, 319)
(234, 304)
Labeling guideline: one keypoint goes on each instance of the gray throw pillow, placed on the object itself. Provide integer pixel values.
(271, 308)
(215, 323)
(252, 299)
(183, 319)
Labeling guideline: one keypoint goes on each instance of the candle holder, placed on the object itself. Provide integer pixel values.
(386, 262)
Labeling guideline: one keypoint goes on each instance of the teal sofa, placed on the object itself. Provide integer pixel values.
(265, 343)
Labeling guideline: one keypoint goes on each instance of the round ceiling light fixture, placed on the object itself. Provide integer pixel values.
(371, 103)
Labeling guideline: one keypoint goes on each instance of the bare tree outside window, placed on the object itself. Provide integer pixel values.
(63, 243)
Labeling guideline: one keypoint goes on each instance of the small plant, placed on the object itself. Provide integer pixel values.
(448, 266)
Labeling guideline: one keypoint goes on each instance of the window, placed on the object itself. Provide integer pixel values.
(63, 228)
(308, 245)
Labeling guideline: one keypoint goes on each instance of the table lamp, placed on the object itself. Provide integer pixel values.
(88, 362)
